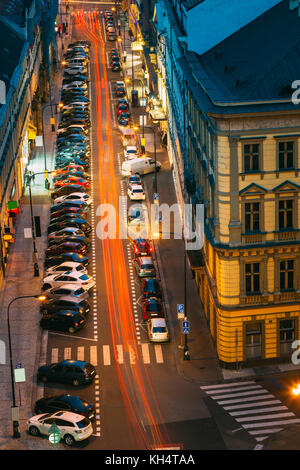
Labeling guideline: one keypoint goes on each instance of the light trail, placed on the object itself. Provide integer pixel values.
(117, 286)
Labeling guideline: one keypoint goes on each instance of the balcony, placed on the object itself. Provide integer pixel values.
(255, 299)
(291, 296)
(250, 238)
(286, 235)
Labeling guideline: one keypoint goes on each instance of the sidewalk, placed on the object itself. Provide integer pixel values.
(203, 366)
(27, 339)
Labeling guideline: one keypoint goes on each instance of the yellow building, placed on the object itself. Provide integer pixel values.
(243, 136)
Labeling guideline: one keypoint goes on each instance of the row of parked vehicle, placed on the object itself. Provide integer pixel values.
(110, 25)
(66, 284)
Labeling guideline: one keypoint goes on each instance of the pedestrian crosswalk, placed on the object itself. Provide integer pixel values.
(255, 409)
(106, 355)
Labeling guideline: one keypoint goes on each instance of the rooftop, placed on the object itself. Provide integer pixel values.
(257, 63)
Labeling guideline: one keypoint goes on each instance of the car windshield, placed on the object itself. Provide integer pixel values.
(153, 307)
(83, 423)
(137, 191)
(159, 329)
(83, 277)
(79, 291)
(147, 266)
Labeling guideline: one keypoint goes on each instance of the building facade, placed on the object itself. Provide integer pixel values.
(243, 135)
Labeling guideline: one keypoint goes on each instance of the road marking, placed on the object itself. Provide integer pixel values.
(106, 355)
(132, 356)
(145, 353)
(233, 389)
(272, 416)
(271, 423)
(243, 394)
(93, 355)
(158, 353)
(237, 384)
(120, 355)
(251, 405)
(240, 400)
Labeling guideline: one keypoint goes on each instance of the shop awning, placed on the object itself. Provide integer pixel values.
(158, 114)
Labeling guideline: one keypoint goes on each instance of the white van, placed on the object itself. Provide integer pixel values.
(142, 166)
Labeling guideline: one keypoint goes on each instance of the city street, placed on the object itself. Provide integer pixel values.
(146, 396)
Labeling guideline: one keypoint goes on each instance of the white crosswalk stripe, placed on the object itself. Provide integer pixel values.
(104, 355)
(252, 406)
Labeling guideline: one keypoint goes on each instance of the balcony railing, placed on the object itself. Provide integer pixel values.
(287, 296)
(286, 235)
(254, 299)
(252, 238)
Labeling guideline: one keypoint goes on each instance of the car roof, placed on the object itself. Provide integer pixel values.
(68, 416)
(67, 286)
(136, 186)
(158, 321)
(146, 259)
(69, 298)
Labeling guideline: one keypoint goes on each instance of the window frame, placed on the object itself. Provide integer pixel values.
(295, 153)
(260, 155)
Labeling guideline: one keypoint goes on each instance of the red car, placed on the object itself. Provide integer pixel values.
(153, 309)
(142, 247)
(68, 168)
(72, 180)
(66, 247)
(122, 108)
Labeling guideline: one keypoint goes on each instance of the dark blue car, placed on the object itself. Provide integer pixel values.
(68, 371)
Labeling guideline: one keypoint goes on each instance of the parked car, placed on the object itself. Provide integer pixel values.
(66, 266)
(68, 371)
(153, 308)
(136, 192)
(68, 204)
(73, 180)
(73, 427)
(142, 247)
(131, 152)
(65, 213)
(72, 290)
(76, 196)
(66, 190)
(68, 256)
(63, 321)
(157, 330)
(52, 306)
(65, 402)
(66, 247)
(145, 267)
(65, 231)
(133, 179)
(151, 289)
(73, 277)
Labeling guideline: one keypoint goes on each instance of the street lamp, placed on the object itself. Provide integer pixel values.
(15, 409)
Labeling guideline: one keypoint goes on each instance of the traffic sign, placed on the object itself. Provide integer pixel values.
(180, 311)
(185, 327)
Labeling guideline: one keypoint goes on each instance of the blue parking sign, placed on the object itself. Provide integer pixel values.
(180, 308)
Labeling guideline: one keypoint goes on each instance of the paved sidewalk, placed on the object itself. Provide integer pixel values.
(28, 340)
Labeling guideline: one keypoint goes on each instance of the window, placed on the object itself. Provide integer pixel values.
(251, 157)
(252, 278)
(252, 217)
(287, 271)
(286, 335)
(286, 214)
(285, 155)
(253, 340)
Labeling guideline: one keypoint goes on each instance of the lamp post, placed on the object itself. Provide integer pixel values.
(15, 409)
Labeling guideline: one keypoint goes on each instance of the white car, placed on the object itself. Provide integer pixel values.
(157, 330)
(75, 69)
(136, 192)
(131, 152)
(72, 231)
(83, 197)
(67, 266)
(70, 277)
(73, 427)
(73, 126)
(73, 290)
(73, 107)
